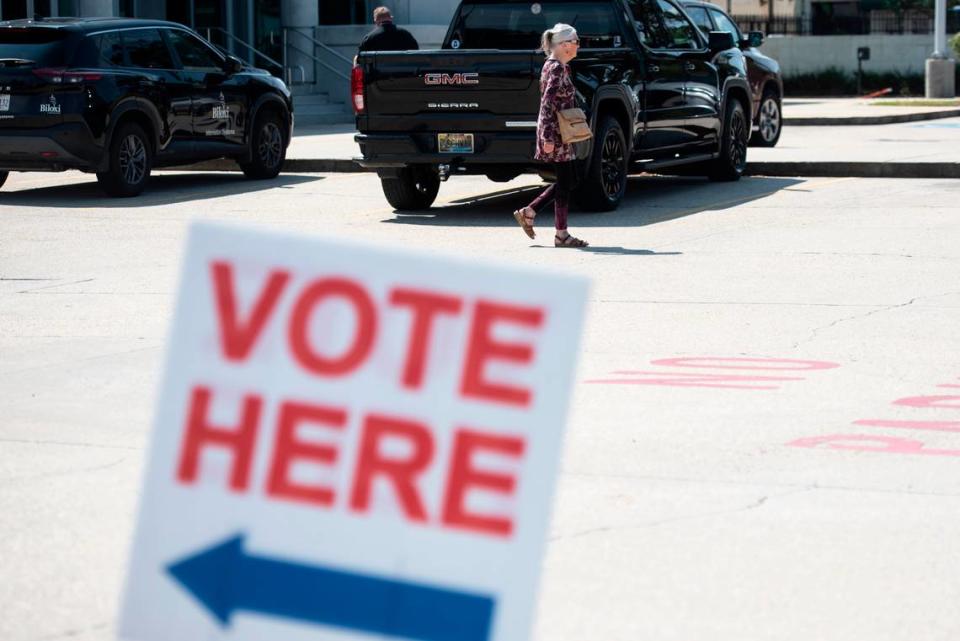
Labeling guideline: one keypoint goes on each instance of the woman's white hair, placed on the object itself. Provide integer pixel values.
(557, 34)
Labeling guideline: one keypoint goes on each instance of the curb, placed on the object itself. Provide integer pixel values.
(870, 120)
(818, 169)
(856, 169)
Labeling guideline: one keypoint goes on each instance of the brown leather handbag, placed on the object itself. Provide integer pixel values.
(573, 126)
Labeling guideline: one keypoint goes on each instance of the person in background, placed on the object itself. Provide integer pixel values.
(560, 44)
(387, 36)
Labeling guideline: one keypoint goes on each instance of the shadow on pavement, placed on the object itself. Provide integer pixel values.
(163, 189)
(613, 251)
(649, 200)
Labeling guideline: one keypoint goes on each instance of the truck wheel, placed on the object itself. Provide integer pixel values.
(267, 148)
(412, 188)
(770, 120)
(130, 161)
(3, 177)
(732, 161)
(603, 187)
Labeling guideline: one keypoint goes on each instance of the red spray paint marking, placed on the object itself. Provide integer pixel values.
(668, 378)
(890, 444)
(896, 445)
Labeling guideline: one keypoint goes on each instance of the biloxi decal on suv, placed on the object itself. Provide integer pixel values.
(51, 106)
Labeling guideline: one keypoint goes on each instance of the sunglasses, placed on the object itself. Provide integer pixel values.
(572, 42)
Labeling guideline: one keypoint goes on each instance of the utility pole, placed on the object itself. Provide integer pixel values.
(940, 80)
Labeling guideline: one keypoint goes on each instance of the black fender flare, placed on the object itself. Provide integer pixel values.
(143, 108)
(624, 98)
(733, 83)
(258, 104)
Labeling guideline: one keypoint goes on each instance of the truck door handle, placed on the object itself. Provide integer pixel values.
(691, 67)
(653, 69)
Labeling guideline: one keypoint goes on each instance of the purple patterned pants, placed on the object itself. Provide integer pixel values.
(560, 192)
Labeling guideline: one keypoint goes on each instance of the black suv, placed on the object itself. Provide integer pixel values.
(120, 96)
(661, 96)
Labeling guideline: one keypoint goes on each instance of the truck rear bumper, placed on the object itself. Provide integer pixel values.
(384, 150)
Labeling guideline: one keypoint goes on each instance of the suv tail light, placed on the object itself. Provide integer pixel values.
(64, 77)
(356, 89)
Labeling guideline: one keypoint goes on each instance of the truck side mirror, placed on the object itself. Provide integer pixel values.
(721, 41)
(755, 38)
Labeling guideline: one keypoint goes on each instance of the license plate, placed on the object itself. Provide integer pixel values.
(455, 143)
(4, 102)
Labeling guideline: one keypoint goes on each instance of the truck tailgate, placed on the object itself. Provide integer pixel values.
(446, 90)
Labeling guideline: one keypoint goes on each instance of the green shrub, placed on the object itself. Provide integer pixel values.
(955, 44)
(837, 82)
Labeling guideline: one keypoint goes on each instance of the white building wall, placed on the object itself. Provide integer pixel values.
(806, 54)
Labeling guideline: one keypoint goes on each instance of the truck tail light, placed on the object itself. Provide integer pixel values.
(64, 77)
(356, 89)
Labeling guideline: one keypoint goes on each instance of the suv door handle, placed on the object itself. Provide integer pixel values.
(653, 68)
(690, 67)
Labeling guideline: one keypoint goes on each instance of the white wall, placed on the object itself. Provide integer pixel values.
(805, 54)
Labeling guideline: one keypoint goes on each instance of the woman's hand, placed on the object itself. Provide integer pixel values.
(548, 147)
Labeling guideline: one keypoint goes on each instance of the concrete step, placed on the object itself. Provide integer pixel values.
(311, 99)
(331, 114)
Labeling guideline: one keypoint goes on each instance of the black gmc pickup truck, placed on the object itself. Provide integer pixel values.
(658, 92)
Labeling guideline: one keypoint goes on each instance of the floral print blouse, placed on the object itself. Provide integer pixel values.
(556, 94)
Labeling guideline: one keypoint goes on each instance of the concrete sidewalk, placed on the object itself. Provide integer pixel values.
(823, 112)
(910, 150)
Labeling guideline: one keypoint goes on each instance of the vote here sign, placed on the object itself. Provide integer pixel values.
(351, 443)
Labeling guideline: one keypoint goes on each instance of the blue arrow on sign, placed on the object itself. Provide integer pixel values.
(225, 579)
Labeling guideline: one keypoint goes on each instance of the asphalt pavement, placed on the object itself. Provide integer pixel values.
(763, 442)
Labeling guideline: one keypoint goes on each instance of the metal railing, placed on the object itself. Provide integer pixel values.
(306, 45)
(290, 33)
(862, 24)
(256, 52)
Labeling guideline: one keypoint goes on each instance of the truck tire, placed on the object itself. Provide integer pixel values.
(770, 120)
(734, 137)
(412, 188)
(130, 162)
(605, 183)
(3, 177)
(267, 147)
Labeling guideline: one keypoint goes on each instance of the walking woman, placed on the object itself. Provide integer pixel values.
(560, 44)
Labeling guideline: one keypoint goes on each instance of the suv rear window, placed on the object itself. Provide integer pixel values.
(43, 46)
(519, 25)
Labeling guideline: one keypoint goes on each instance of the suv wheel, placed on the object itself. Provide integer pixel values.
(770, 120)
(412, 188)
(3, 177)
(603, 187)
(733, 147)
(268, 150)
(130, 162)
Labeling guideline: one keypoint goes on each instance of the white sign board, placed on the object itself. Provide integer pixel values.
(351, 443)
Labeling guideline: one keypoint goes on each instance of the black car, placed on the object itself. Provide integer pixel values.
(763, 71)
(119, 97)
(660, 95)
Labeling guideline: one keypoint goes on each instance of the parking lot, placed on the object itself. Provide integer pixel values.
(764, 430)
